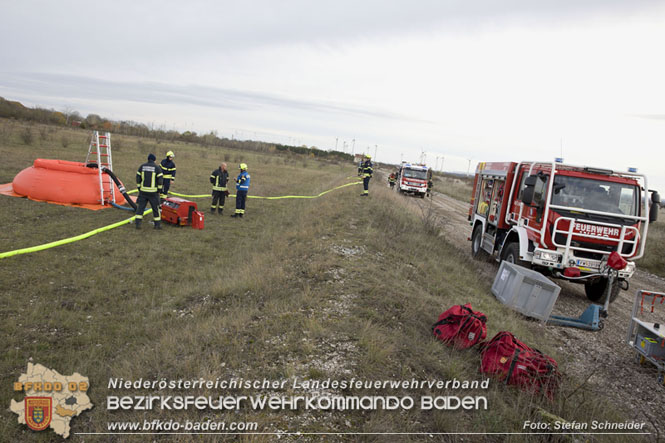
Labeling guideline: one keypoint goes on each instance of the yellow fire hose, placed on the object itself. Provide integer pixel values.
(129, 220)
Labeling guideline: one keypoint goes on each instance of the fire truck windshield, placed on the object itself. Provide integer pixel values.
(415, 173)
(595, 195)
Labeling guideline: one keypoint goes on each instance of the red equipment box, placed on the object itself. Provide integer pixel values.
(178, 211)
(197, 220)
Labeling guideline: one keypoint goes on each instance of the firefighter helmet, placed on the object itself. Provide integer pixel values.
(368, 156)
(243, 167)
(170, 154)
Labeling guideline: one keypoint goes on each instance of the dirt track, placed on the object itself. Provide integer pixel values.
(602, 358)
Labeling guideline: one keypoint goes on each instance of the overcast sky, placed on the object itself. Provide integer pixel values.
(466, 80)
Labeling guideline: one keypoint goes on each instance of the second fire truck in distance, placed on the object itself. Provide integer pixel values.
(413, 179)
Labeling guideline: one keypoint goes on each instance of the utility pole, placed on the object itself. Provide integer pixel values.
(442, 160)
(353, 147)
(561, 147)
(468, 169)
(375, 148)
(336, 139)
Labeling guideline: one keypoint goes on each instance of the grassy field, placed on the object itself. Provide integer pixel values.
(455, 187)
(338, 287)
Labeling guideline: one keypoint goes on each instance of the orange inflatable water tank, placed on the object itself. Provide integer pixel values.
(61, 181)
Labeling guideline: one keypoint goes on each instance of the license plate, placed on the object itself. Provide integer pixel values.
(584, 263)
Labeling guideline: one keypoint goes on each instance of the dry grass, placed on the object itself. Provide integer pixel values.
(654, 255)
(337, 287)
(458, 188)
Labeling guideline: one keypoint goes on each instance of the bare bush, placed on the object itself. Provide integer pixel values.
(64, 141)
(27, 136)
(44, 133)
(432, 221)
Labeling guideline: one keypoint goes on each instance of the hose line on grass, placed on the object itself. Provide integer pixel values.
(129, 220)
(271, 198)
(68, 240)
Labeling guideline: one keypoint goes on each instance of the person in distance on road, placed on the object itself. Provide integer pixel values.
(242, 187)
(149, 179)
(219, 178)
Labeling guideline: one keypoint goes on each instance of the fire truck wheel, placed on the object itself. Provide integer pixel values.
(476, 240)
(511, 254)
(595, 290)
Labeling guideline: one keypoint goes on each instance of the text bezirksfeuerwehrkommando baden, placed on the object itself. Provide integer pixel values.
(316, 396)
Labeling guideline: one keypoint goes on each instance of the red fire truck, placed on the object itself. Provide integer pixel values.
(562, 220)
(413, 179)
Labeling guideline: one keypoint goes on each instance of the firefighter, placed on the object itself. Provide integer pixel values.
(242, 186)
(168, 168)
(367, 174)
(430, 183)
(218, 178)
(149, 180)
(392, 179)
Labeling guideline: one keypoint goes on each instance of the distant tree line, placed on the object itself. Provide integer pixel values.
(69, 117)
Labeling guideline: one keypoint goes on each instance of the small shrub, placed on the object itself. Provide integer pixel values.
(27, 136)
(44, 133)
(64, 141)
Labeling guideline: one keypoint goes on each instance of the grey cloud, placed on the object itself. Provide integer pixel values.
(69, 32)
(79, 87)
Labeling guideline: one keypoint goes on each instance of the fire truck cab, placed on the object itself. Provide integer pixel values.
(413, 179)
(562, 220)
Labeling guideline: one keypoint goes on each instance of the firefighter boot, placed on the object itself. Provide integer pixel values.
(220, 210)
(212, 211)
(137, 223)
(158, 224)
